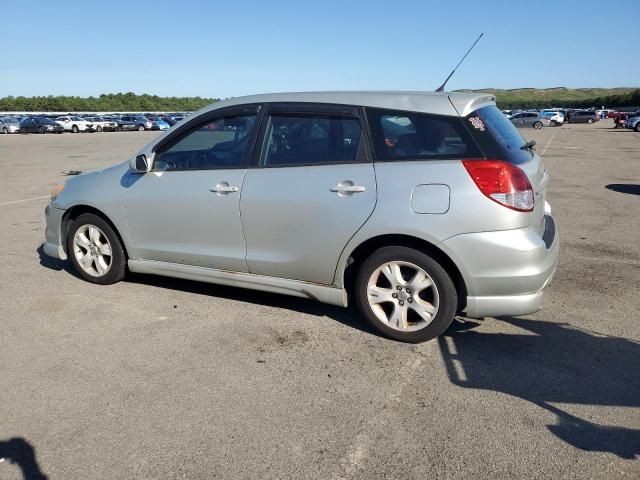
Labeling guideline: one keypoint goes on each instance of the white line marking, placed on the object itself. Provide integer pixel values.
(549, 142)
(358, 451)
(22, 201)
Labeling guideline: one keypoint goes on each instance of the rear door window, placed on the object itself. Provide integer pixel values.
(497, 137)
(311, 139)
(402, 135)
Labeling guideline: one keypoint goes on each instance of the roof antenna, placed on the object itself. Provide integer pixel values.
(441, 87)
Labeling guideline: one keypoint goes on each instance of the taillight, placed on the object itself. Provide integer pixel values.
(502, 182)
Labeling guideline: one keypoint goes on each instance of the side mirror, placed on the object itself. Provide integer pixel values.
(140, 164)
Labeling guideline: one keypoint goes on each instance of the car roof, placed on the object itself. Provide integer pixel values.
(441, 103)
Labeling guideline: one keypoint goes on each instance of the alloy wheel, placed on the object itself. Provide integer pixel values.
(92, 250)
(403, 296)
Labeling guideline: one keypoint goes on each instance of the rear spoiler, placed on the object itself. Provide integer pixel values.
(465, 105)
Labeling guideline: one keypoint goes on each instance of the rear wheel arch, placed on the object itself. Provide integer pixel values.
(365, 249)
(74, 212)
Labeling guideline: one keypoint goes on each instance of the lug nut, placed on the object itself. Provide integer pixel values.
(408, 290)
(399, 287)
(401, 303)
(394, 295)
(409, 300)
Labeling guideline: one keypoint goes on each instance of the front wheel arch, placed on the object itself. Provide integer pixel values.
(366, 248)
(74, 212)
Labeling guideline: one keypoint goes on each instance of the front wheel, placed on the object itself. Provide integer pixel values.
(140, 128)
(95, 250)
(405, 294)
(537, 125)
(554, 123)
(590, 120)
(75, 129)
(637, 127)
(5, 131)
(99, 129)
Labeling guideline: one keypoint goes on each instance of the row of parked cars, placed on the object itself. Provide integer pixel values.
(550, 118)
(88, 123)
(555, 117)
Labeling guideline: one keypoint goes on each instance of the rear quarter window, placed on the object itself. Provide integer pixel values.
(401, 135)
(496, 136)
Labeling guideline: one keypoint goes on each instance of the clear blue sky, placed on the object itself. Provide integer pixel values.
(227, 48)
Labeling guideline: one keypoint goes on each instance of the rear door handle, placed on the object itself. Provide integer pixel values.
(223, 188)
(346, 187)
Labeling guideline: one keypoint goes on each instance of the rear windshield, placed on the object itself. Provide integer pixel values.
(497, 137)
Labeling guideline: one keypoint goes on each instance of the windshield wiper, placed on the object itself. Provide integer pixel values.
(529, 145)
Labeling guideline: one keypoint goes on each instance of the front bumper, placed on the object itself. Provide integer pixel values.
(505, 271)
(53, 232)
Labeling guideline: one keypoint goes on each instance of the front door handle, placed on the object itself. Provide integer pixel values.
(347, 187)
(223, 188)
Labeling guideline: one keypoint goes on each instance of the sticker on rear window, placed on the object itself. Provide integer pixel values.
(477, 123)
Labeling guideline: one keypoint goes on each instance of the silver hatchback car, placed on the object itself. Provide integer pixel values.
(417, 206)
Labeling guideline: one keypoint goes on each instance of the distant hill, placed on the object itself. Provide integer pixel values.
(564, 97)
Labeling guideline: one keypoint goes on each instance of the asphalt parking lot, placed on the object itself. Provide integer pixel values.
(160, 378)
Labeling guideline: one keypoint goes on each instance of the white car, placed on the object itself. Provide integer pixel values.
(9, 125)
(101, 124)
(74, 124)
(556, 117)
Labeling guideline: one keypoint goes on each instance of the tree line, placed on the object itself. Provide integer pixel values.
(630, 99)
(109, 102)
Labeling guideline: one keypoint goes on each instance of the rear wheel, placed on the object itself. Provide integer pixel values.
(95, 250)
(405, 294)
(537, 125)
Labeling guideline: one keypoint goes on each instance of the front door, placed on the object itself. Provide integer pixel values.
(187, 209)
(313, 187)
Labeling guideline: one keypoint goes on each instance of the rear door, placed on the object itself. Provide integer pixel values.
(312, 187)
(530, 119)
(517, 119)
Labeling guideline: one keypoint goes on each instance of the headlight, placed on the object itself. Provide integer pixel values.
(57, 190)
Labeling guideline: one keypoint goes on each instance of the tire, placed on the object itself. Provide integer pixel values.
(141, 128)
(75, 129)
(42, 130)
(94, 270)
(5, 131)
(440, 295)
(590, 120)
(554, 123)
(637, 127)
(537, 125)
(99, 129)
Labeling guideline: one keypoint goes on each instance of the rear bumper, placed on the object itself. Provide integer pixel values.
(53, 232)
(505, 271)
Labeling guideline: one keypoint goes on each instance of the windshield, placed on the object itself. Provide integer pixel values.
(497, 137)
